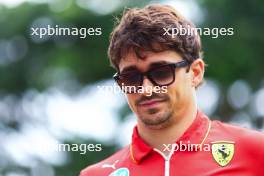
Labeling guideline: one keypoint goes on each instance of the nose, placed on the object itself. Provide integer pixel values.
(147, 87)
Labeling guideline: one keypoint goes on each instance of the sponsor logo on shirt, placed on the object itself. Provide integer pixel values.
(120, 172)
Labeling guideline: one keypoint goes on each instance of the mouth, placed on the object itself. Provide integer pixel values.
(150, 103)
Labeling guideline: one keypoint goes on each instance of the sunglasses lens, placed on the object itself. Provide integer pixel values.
(160, 76)
(163, 75)
(129, 82)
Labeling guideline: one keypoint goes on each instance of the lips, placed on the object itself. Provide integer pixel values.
(150, 103)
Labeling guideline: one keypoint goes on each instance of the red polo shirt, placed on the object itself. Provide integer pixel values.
(223, 150)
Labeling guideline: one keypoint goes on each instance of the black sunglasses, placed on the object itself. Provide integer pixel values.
(162, 75)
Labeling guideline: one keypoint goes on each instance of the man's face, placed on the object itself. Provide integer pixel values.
(160, 109)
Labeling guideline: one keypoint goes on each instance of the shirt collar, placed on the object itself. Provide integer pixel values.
(195, 134)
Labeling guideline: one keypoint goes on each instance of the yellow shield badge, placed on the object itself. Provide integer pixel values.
(223, 152)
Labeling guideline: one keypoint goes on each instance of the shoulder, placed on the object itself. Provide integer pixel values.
(237, 132)
(97, 168)
(247, 139)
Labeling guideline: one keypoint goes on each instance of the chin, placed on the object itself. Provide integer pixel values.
(155, 118)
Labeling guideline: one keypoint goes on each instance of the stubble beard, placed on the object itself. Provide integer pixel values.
(152, 118)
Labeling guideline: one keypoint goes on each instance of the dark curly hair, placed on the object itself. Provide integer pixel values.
(141, 30)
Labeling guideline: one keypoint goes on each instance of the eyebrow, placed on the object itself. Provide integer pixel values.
(129, 68)
(156, 64)
(152, 65)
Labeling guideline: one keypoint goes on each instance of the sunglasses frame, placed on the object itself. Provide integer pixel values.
(147, 74)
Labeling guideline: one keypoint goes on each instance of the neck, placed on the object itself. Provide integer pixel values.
(158, 137)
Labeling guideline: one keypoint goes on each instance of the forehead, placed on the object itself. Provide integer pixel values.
(132, 61)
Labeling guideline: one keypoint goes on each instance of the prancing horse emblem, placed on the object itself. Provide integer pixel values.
(223, 152)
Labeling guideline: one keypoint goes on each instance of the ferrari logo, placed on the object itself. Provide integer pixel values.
(223, 152)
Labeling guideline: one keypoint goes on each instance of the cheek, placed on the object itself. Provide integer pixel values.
(173, 93)
(131, 99)
(179, 91)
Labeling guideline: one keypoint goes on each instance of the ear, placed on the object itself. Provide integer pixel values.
(197, 69)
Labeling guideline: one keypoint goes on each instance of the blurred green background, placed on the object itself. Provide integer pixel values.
(49, 87)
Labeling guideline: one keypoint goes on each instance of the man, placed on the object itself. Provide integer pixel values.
(172, 137)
